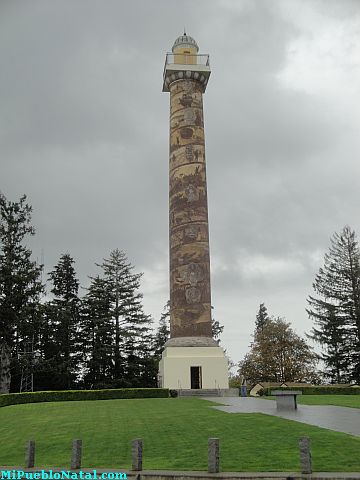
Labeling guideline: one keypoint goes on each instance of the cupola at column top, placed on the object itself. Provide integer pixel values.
(184, 62)
(184, 42)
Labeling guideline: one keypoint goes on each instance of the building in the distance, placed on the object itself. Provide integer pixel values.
(191, 359)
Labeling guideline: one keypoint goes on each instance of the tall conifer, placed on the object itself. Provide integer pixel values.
(261, 318)
(97, 336)
(336, 309)
(65, 321)
(20, 285)
(130, 338)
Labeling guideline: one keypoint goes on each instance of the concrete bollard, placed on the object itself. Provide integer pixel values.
(137, 454)
(213, 455)
(30, 454)
(76, 454)
(305, 455)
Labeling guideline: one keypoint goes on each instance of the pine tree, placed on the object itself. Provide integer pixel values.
(129, 333)
(46, 373)
(65, 320)
(97, 335)
(130, 322)
(20, 285)
(261, 318)
(216, 329)
(337, 312)
(163, 332)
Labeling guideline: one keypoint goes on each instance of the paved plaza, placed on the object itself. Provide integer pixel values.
(340, 419)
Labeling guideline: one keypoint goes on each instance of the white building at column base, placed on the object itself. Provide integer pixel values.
(186, 365)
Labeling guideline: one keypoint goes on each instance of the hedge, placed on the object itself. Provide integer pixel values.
(76, 395)
(320, 390)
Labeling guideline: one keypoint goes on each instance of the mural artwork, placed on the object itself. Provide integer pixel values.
(189, 236)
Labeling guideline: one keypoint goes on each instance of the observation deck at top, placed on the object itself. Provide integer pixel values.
(180, 66)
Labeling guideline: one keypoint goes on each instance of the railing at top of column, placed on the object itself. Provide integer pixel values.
(182, 59)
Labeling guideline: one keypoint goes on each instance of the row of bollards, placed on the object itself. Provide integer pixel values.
(137, 455)
(75, 462)
(76, 454)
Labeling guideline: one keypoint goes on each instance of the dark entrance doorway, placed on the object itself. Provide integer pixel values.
(195, 375)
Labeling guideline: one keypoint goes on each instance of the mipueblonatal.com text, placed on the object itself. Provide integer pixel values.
(61, 475)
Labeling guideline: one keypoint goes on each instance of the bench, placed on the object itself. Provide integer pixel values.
(286, 399)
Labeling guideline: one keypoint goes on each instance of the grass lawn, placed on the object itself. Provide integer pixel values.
(175, 434)
(352, 401)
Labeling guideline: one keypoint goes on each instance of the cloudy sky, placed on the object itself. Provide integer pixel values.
(84, 133)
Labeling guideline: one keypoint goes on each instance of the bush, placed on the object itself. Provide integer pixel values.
(234, 382)
(173, 393)
(78, 395)
(316, 390)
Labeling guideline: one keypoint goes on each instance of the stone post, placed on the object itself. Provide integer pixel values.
(76, 455)
(30, 454)
(213, 455)
(136, 453)
(305, 455)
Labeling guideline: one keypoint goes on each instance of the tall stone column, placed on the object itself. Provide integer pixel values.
(190, 297)
(191, 359)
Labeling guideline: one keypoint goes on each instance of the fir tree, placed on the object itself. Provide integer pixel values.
(261, 318)
(20, 285)
(130, 336)
(163, 332)
(216, 329)
(130, 322)
(337, 312)
(65, 320)
(97, 335)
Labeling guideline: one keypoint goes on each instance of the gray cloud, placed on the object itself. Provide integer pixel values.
(84, 132)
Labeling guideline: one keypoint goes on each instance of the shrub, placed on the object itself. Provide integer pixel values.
(78, 395)
(173, 393)
(234, 382)
(316, 390)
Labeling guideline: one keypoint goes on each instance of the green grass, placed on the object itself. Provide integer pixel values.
(352, 401)
(340, 400)
(175, 434)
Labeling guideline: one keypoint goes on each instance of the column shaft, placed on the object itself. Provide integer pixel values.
(190, 296)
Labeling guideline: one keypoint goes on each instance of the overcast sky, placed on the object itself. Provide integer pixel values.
(84, 133)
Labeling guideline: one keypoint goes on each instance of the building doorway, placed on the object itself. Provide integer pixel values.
(195, 375)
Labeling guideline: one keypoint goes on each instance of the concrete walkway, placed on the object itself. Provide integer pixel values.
(340, 419)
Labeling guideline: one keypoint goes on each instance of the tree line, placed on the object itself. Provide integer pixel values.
(278, 354)
(60, 340)
(104, 339)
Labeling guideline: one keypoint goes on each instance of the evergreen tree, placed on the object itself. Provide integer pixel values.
(337, 312)
(216, 329)
(65, 321)
(123, 322)
(126, 310)
(97, 335)
(20, 285)
(46, 373)
(163, 332)
(261, 318)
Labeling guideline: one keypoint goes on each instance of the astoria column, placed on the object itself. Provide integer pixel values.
(186, 74)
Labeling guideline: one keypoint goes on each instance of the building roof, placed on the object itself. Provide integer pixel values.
(186, 41)
(269, 384)
(296, 384)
